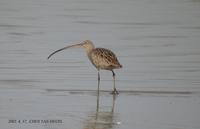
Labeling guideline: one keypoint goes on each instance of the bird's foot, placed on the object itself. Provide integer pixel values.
(115, 92)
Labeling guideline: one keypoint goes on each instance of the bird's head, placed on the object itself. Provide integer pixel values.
(88, 45)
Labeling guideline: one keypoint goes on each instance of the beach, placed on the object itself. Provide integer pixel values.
(156, 41)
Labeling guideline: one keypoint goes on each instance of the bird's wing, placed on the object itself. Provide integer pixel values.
(104, 57)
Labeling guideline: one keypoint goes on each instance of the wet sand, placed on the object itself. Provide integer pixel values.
(157, 42)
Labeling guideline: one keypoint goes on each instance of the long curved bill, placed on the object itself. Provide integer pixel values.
(72, 46)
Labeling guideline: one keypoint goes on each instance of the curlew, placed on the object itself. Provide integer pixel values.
(101, 58)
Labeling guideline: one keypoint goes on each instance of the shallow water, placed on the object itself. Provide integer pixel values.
(156, 41)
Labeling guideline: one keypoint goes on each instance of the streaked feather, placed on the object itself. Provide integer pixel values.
(104, 59)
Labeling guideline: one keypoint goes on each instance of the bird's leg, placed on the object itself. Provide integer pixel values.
(114, 88)
(97, 108)
(98, 76)
(98, 83)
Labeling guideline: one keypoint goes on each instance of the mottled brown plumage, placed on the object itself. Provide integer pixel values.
(101, 58)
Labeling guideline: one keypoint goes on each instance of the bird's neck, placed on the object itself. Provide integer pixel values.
(88, 50)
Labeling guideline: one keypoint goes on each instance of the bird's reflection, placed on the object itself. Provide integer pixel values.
(102, 119)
